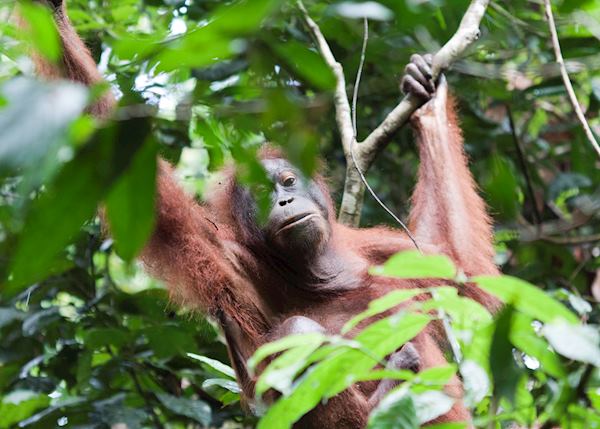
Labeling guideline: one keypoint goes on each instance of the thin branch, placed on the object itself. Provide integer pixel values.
(361, 64)
(523, 163)
(551, 229)
(466, 34)
(363, 154)
(352, 154)
(583, 239)
(342, 106)
(565, 77)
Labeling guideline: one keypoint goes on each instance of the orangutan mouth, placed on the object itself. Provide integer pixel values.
(295, 220)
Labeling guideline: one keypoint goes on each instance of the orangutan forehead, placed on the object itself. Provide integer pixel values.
(275, 166)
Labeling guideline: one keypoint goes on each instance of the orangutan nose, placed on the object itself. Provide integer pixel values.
(286, 201)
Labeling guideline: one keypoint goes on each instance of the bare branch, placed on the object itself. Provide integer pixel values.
(552, 229)
(466, 34)
(356, 167)
(565, 77)
(363, 52)
(360, 156)
(342, 106)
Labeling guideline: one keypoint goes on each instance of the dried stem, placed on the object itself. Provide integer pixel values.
(565, 77)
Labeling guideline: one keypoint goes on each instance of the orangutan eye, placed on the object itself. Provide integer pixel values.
(288, 180)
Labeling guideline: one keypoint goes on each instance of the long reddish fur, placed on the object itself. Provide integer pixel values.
(200, 252)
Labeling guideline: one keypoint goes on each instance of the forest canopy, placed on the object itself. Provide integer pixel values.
(89, 340)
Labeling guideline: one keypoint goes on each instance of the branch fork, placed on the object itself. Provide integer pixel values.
(360, 155)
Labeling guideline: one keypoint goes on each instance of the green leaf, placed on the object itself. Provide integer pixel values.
(412, 264)
(113, 412)
(282, 371)
(288, 342)
(26, 143)
(226, 384)
(225, 390)
(381, 305)
(431, 404)
(71, 199)
(578, 342)
(219, 39)
(505, 372)
(526, 298)
(219, 367)
(306, 64)
(453, 425)
(41, 30)
(524, 337)
(502, 187)
(99, 337)
(169, 340)
(525, 406)
(437, 376)
(322, 380)
(130, 205)
(20, 404)
(395, 411)
(193, 408)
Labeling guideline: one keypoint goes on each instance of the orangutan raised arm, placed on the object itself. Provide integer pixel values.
(187, 249)
(447, 209)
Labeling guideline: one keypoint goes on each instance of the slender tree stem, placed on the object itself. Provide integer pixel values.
(565, 77)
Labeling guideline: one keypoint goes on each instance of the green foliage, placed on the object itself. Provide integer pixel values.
(88, 340)
(502, 360)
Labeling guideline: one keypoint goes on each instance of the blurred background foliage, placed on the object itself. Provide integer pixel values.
(87, 340)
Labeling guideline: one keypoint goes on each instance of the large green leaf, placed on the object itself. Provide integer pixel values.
(307, 64)
(412, 264)
(526, 298)
(56, 216)
(323, 381)
(505, 372)
(35, 121)
(579, 342)
(20, 404)
(130, 205)
(41, 30)
(524, 337)
(193, 408)
(395, 411)
(219, 39)
(381, 305)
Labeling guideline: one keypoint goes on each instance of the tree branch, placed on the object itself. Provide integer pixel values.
(565, 77)
(342, 106)
(466, 34)
(360, 156)
(366, 151)
(549, 230)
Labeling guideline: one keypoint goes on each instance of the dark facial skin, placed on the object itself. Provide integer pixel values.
(298, 222)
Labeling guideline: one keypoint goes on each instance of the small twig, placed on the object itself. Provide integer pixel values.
(361, 64)
(565, 77)
(523, 163)
(583, 239)
(352, 144)
(528, 233)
